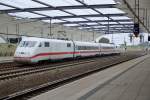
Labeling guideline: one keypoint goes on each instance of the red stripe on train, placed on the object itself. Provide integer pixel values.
(57, 53)
(53, 53)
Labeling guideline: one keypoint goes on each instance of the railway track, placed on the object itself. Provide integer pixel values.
(4, 75)
(6, 66)
(98, 64)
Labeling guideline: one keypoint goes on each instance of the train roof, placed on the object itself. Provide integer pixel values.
(108, 44)
(55, 40)
(42, 39)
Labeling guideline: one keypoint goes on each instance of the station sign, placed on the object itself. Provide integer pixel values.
(136, 29)
(148, 37)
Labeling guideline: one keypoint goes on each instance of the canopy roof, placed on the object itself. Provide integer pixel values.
(93, 15)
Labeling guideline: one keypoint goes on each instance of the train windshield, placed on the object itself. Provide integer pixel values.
(27, 43)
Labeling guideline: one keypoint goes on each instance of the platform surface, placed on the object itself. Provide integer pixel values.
(6, 59)
(132, 85)
(126, 81)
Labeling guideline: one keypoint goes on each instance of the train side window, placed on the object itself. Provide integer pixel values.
(68, 44)
(46, 44)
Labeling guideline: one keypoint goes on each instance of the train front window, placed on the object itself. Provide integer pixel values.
(28, 43)
(22, 43)
(32, 43)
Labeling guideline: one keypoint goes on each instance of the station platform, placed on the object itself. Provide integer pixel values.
(126, 81)
(6, 59)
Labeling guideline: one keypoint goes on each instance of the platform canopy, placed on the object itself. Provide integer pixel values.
(92, 15)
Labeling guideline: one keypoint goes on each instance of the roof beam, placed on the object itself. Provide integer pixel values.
(107, 27)
(79, 16)
(117, 24)
(111, 28)
(63, 8)
(126, 29)
(76, 16)
(56, 8)
(122, 20)
(135, 15)
(111, 31)
(94, 9)
(21, 9)
(59, 9)
(129, 25)
(116, 31)
(8, 5)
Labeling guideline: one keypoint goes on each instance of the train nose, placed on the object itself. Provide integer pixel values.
(22, 54)
(22, 57)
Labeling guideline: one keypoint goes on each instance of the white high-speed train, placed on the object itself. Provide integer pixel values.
(33, 50)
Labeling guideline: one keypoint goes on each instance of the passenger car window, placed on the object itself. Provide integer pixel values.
(47, 44)
(68, 44)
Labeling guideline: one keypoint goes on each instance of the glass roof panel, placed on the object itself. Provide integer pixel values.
(116, 25)
(31, 4)
(97, 29)
(53, 13)
(109, 22)
(93, 2)
(99, 26)
(80, 27)
(129, 25)
(126, 22)
(82, 11)
(4, 7)
(86, 27)
(74, 19)
(60, 2)
(71, 25)
(53, 21)
(22, 3)
(25, 15)
(97, 18)
(110, 10)
(118, 28)
(87, 23)
(91, 23)
(120, 17)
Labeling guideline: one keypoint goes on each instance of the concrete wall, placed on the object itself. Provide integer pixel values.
(10, 25)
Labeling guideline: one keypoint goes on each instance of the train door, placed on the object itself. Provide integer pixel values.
(56, 50)
(74, 49)
(43, 50)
